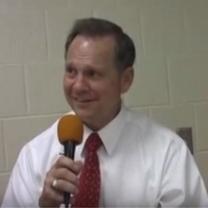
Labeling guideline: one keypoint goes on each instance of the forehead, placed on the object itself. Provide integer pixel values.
(92, 46)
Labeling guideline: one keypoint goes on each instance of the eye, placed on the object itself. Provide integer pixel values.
(70, 71)
(90, 73)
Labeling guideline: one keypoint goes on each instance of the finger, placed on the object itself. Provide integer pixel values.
(62, 161)
(54, 194)
(78, 166)
(74, 166)
(64, 186)
(66, 175)
(50, 197)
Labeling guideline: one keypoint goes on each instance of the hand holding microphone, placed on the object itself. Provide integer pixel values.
(62, 177)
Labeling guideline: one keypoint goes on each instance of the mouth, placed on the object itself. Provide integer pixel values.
(82, 101)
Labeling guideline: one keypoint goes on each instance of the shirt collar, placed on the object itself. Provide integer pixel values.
(110, 134)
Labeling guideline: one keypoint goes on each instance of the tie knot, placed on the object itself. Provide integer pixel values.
(93, 143)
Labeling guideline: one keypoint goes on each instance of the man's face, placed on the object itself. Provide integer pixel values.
(92, 83)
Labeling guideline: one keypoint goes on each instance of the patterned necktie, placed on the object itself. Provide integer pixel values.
(89, 182)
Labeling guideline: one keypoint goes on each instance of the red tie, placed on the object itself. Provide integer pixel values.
(89, 182)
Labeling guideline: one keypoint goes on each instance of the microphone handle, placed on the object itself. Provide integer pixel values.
(69, 150)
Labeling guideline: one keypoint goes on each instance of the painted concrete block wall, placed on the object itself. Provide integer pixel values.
(171, 70)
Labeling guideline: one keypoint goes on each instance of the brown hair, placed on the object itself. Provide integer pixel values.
(92, 27)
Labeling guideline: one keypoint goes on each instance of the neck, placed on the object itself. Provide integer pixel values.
(98, 125)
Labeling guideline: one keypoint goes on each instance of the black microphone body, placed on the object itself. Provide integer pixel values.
(69, 150)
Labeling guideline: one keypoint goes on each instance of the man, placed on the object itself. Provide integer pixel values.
(141, 163)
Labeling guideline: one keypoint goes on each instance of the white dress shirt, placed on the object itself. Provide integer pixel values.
(142, 164)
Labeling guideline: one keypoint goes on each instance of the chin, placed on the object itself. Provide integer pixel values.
(83, 114)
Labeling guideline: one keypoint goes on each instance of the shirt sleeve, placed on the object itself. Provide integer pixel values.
(182, 184)
(23, 188)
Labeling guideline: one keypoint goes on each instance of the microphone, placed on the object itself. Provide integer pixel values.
(70, 131)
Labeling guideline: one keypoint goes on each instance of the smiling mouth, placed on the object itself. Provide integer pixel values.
(83, 101)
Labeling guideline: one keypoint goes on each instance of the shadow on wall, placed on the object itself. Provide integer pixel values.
(186, 134)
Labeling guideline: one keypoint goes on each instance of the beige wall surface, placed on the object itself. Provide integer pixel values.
(171, 71)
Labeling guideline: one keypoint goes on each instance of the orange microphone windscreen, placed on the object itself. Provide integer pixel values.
(70, 128)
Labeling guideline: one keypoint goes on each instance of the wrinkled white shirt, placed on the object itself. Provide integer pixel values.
(142, 164)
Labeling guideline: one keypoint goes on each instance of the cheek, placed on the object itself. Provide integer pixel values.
(66, 85)
(111, 90)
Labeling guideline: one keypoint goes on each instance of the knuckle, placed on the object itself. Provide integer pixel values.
(69, 176)
(60, 158)
(67, 186)
(64, 161)
(64, 172)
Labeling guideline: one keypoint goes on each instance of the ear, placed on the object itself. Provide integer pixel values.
(127, 77)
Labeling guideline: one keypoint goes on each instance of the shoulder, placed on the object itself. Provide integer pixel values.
(159, 145)
(150, 132)
(42, 151)
(47, 137)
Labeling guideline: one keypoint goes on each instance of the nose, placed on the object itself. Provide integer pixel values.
(80, 83)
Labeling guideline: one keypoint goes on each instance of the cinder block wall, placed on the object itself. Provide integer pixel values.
(171, 82)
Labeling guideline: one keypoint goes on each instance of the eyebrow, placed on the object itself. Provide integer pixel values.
(87, 67)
